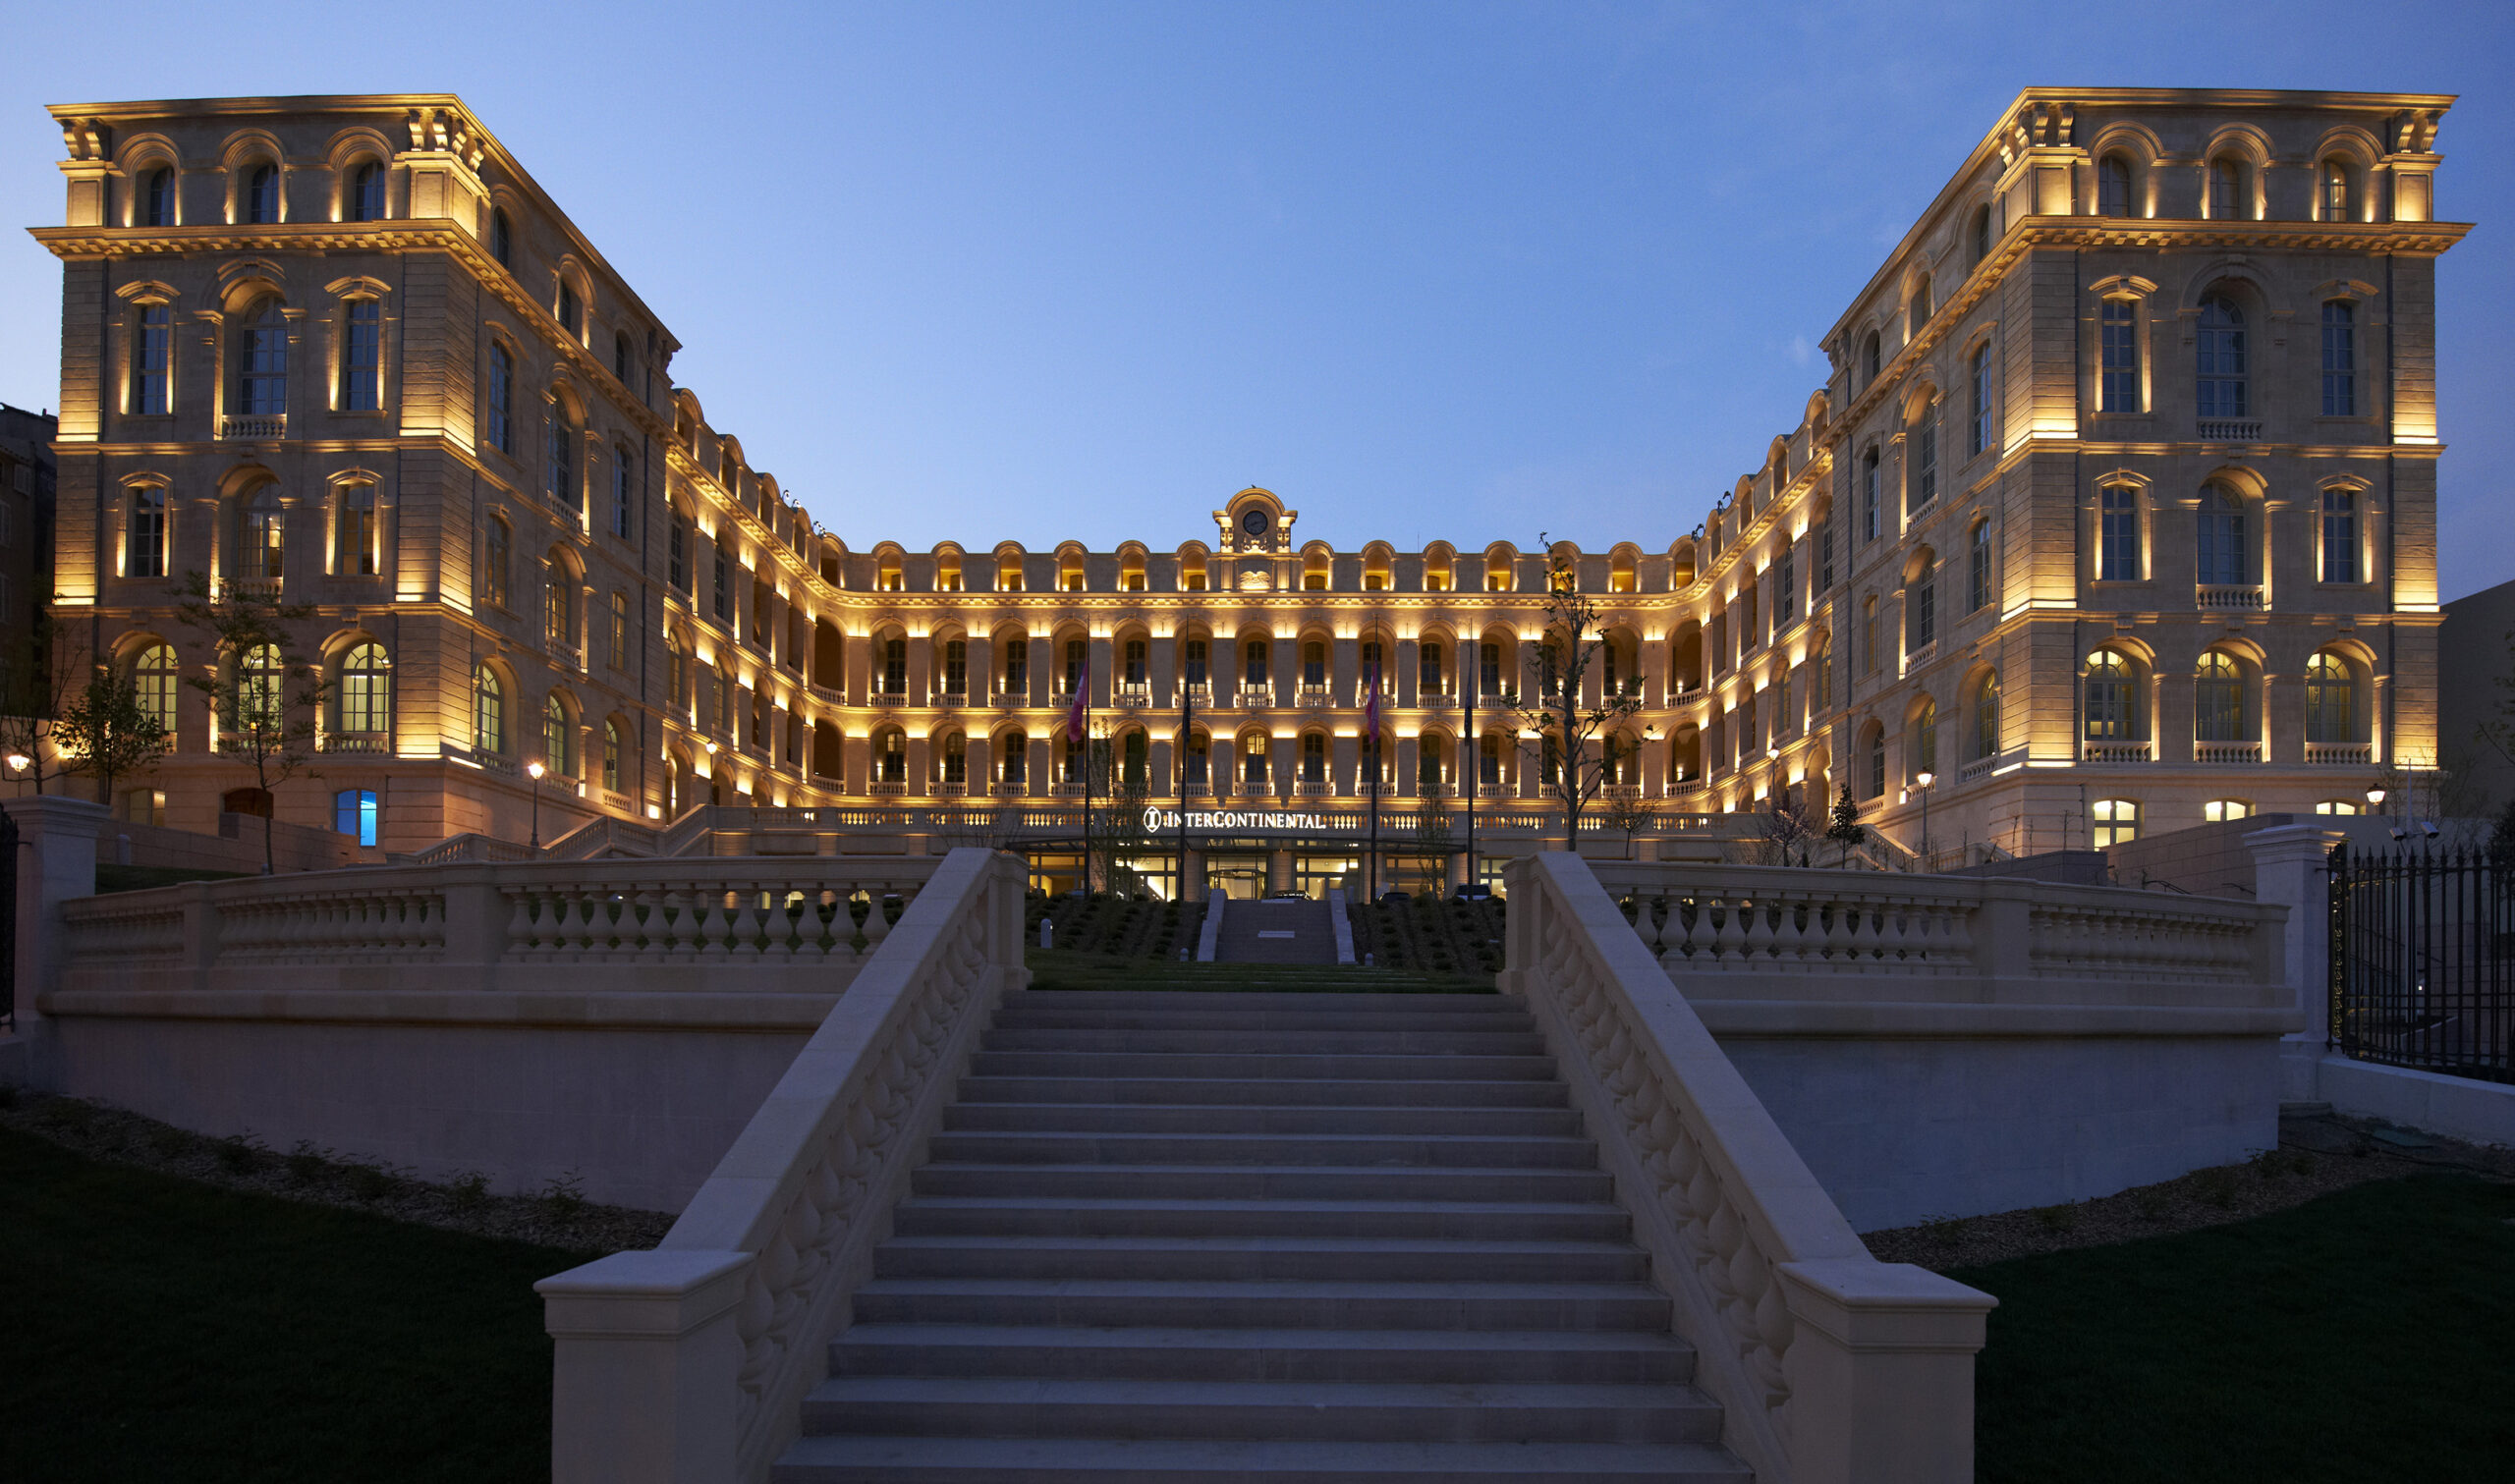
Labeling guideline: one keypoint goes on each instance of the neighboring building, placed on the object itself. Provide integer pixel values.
(2475, 664)
(26, 548)
(2116, 512)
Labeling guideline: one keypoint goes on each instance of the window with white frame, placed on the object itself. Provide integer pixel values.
(145, 537)
(2113, 821)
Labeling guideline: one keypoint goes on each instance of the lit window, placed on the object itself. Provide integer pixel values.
(2340, 535)
(2113, 821)
(261, 547)
(150, 367)
(2220, 359)
(611, 755)
(2331, 701)
(366, 689)
(620, 631)
(2339, 359)
(2119, 333)
(357, 554)
(488, 712)
(2335, 191)
(2220, 810)
(558, 738)
(153, 679)
(2111, 698)
(354, 813)
(1986, 717)
(2339, 806)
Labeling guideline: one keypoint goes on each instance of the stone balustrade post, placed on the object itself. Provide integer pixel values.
(56, 862)
(2002, 928)
(1882, 1372)
(476, 920)
(646, 1381)
(2288, 869)
(200, 933)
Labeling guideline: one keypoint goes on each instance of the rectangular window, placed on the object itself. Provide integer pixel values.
(501, 399)
(357, 557)
(362, 358)
(1978, 433)
(624, 486)
(2339, 360)
(2118, 542)
(1869, 488)
(149, 391)
(493, 583)
(2119, 388)
(1978, 570)
(1785, 585)
(620, 631)
(2339, 537)
(145, 555)
(1921, 610)
(1822, 536)
(724, 598)
(1196, 662)
(1489, 670)
(1017, 669)
(1923, 453)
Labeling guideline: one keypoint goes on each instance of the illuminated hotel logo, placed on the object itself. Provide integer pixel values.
(1160, 821)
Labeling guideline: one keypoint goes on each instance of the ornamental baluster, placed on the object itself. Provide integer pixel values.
(714, 925)
(1789, 940)
(1760, 934)
(1866, 943)
(521, 937)
(1702, 937)
(1727, 947)
(877, 926)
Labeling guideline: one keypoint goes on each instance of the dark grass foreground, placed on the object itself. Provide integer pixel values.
(2362, 1335)
(160, 1329)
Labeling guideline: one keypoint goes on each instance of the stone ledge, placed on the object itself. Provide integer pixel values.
(684, 1009)
(1778, 1019)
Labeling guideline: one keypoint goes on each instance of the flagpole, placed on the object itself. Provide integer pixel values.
(1370, 717)
(1187, 721)
(1472, 676)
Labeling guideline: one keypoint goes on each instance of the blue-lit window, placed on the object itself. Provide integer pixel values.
(354, 813)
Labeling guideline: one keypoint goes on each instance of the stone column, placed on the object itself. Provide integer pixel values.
(2288, 868)
(56, 861)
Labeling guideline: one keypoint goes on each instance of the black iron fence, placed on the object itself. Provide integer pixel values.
(8, 921)
(2423, 960)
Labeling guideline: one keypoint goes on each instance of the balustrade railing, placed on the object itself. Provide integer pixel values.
(2340, 754)
(252, 427)
(2228, 430)
(2220, 752)
(2228, 595)
(2114, 751)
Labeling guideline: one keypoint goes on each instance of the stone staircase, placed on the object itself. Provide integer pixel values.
(1218, 1235)
(1276, 930)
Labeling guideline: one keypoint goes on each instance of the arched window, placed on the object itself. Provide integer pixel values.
(2226, 189)
(2220, 810)
(502, 237)
(1253, 670)
(2113, 186)
(611, 754)
(559, 461)
(1978, 564)
(1252, 760)
(2331, 700)
(1918, 312)
(1313, 757)
(2334, 192)
(1868, 357)
(363, 357)
(1135, 769)
(1314, 666)
(572, 311)
(1785, 596)
(488, 712)
(501, 399)
(366, 194)
(1922, 444)
(2339, 359)
(144, 538)
(1875, 773)
(2220, 359)
(366, 689)
(2339, 806)
(620, 355)
(260, 685)
(1977, 384)
(2218, 700)
(261, 544)
(261, 362)
(1921, 606)
(1986, 716)
(2340, 535)
(1015, 750)
(956, 759)
(2113, 821)
(2118, 539)
(2112, 698)
(496, 563)
(157, 198)
(152, 679)
(1924, 753)
(2223, 541)
(1869, 496)
(558, 738)
(890, 756)
(1982, 232)
(558, 603)
(261, 196)
(2118, 333)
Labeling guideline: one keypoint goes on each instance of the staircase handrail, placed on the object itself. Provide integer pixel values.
(602, 834)
(1831, 1366)
(688, 1364)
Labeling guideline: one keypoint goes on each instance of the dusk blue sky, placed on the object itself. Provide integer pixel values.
(1461, 271)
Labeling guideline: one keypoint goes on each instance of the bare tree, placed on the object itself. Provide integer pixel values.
(1551, 706)
(1632, 813)
(1788, 824)
(264, 694)
(108, 735)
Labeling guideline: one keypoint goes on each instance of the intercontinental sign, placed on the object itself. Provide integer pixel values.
(1161, 821)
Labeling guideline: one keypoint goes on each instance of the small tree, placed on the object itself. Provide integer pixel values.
(108, 735)
(1787, 826)
(1631, 813)
(264, 694)
(1563, 728)
(1846, 830)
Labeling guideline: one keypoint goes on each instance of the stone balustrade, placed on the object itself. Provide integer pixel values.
(691, 1363)
(1833, 1367)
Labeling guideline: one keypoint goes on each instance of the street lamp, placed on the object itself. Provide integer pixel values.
(537, 770)
(1925, 778)
(2375, 796)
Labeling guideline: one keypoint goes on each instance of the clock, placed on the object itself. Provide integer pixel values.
(1254, 523)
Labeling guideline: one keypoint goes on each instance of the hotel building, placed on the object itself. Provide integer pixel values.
(2116, 512)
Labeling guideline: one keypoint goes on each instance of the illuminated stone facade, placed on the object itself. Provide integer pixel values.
(2118, 504)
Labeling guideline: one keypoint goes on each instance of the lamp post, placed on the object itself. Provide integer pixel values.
(19, 763)
(537, 770)
(1925, 778)
(2375, 799)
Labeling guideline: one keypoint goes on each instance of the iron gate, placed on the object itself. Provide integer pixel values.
(2423, 960)
(8, 921)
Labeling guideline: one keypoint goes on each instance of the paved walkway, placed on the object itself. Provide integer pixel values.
(1276, 930)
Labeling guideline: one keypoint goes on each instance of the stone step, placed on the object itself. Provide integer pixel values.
(1042, 1013)
(1422, 1356)
(1435, 1150)
(1244, 1092)
(1261, 1259)
(1108, 1303)
(848, 1459)
(1141, 1001)
(1125, 1064)
(1158, 1118)
(1386, 1220)
(1261, 1183)
(1005, 1407)
(1319, 1040)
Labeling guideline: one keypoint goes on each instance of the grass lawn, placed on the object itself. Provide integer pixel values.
(160, 1329)
(2359, 1337)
